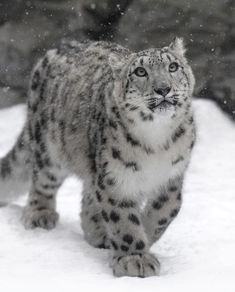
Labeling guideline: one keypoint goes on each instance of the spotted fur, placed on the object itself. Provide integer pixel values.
(123, 123)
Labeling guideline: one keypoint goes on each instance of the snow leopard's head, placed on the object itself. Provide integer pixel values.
(153, 82)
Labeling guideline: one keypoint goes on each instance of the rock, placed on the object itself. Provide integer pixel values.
(29, 28)
(220, 84)
(155, 23)
(22, 41)
(9, 97)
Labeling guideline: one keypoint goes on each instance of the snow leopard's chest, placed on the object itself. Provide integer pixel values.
(150, 172)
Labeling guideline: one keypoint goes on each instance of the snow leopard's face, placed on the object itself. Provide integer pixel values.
(157, 81)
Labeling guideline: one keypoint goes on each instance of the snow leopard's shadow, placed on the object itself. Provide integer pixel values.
(3, 204)
(11, 212)
(10, 218)
(65, 240)
(72, 233)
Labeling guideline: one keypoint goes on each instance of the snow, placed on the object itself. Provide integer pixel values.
(197, 252)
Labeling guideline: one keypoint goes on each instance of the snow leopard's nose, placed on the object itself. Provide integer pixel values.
(163, 91)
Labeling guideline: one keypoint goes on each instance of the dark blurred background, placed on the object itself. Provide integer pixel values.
(29, 27)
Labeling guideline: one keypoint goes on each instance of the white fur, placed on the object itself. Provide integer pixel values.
(155, 169)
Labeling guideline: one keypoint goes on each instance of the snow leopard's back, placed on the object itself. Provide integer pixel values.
(64, 93)
(67, 90)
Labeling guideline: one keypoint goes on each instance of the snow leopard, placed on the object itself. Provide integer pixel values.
(122, 122)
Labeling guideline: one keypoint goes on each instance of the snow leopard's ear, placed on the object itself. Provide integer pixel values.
(116, 62)
(178, 46)
(119, 63)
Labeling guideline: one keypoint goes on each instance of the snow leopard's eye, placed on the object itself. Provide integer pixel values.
(140, 72)
(173, 67)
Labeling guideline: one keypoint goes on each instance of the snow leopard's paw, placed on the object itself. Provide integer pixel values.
(41, 217)
(138, 265)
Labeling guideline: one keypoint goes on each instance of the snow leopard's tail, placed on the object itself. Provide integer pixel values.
(15, 170)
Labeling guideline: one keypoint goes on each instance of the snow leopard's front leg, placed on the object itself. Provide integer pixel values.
(128, 240)
(161, 210)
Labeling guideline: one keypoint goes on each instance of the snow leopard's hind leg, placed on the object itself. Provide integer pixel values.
(15, 169)
(41, 207)
(92, 221)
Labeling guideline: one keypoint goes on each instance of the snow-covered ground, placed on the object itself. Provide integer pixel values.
(197, 252)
